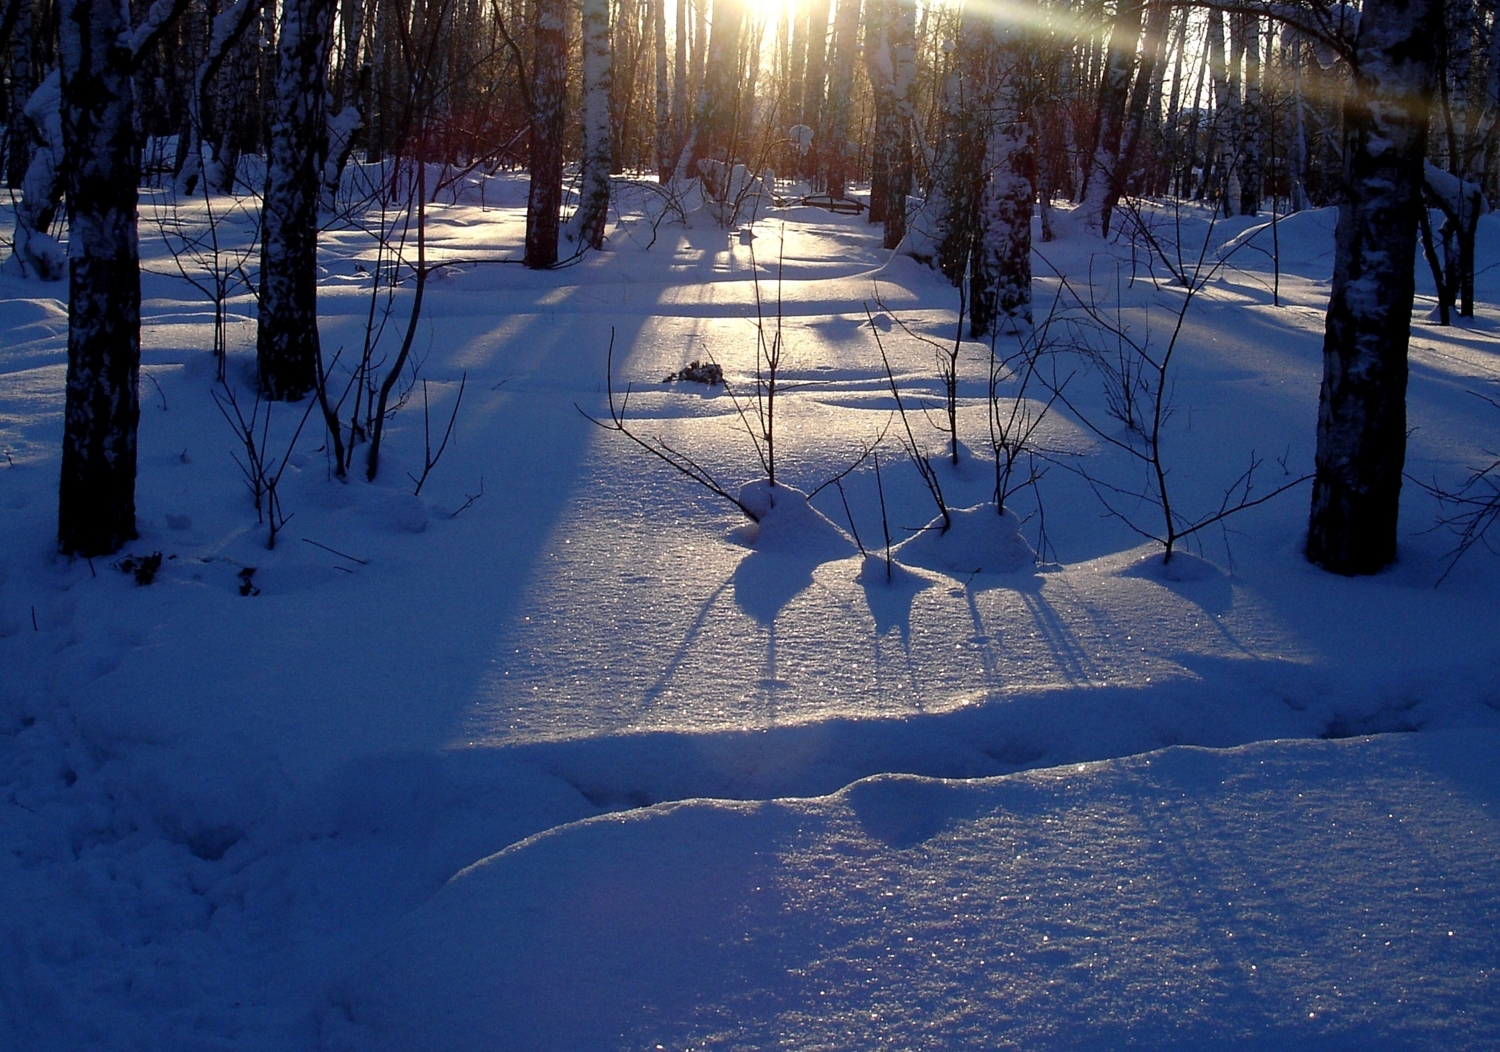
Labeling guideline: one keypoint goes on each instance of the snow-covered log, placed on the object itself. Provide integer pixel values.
(1362, 406)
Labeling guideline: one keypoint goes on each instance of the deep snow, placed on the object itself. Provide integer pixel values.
(231, 821)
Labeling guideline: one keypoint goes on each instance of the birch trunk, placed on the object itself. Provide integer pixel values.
(1000, 275)
(1252, 176)
(1231, 131)
(549, 84)
(811, 110)
(286, 338)
(1362, 406)
(593, 204)
(898, 130)
(1214, 153)
(834, 153)
(22, 84)
(96, 493)
(1100, 188)
(718, 101)
(663, 139)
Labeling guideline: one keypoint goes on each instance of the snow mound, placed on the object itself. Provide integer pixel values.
(978, 541)
(1282, 895)
(1184, 567)
(789, 525)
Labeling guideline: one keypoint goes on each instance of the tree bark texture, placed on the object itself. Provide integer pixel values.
(96, 494)
(593, 205)
(549, 85)
(714, 131)
(1000, 275)
(834, 151)
(1362, 406)
(286, 341)
(1114, 87)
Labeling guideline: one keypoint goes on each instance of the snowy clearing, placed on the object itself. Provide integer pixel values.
(289, 806)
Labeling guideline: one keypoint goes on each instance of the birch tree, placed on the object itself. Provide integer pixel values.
(593, 204)
(1000, 274)
(1362, 405)
(1101, 186)
(549, 85)
(718, 100)
(834, 152)
(286, 338)
(99, 50)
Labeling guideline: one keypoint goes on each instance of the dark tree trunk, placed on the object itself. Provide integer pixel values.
(835, 151)
(1114, 87)
(287, 334)
(548, 97)
(96, 495)
(1362, 408)
(817, 56)
(22, 84)
(715, 130)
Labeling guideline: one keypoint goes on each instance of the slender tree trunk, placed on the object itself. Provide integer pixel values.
(1298, 158)
(811, 110)
(718, 102)
(680, 113)
(898, 130)
(1135, 129)
(663, 91)
(1232, 130)
(1362, 407)
(835, 151)
(96, 494)
(549, 84)
(593, 205)
(958, 158)
(1000, 275)
(22, 84)
(1251, 130)
(286, 341)
(1114, 87)
(796, 64)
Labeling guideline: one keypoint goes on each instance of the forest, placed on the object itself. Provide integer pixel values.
(590, 524)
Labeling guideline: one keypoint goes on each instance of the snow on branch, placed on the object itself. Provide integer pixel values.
(140, 39)
(1453, 194)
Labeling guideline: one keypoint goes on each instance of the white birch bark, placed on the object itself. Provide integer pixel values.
(549, 84)
(1362, 406)
(593, 204)
(1000, 274)
(96, 493)
(287, 327)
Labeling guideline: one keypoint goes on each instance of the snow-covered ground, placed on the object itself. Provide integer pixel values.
(381, 803)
